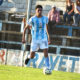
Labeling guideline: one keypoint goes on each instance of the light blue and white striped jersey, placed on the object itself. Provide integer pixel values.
(38, 29)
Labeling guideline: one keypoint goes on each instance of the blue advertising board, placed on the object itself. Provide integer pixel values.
(57, 62)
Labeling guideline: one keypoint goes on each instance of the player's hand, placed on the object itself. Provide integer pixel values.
(49, 41)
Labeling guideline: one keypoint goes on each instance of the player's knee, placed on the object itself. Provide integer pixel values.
(32, 57)
(46, 55)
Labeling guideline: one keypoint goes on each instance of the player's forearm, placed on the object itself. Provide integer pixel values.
(47, 32)
(25, 31)
(49, 41)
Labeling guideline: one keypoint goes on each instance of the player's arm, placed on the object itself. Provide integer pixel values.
(48, 34)
(23, 36)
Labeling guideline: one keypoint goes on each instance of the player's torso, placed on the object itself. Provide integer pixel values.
(39, 28)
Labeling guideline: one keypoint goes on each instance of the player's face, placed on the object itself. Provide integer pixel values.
(39, 11)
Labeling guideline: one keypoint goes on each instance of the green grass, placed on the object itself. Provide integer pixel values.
(24, 73)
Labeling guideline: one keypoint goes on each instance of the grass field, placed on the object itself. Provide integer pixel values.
(24, 73)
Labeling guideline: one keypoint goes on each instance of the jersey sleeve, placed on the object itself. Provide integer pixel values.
(29, 22)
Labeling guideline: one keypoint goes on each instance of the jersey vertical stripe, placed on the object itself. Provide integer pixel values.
(38, 30)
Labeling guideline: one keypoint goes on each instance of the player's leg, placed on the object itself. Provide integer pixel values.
(34, 47)
(44, 47)
(46, 57)
(32, 54)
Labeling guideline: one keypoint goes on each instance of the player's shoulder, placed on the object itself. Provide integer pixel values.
(33, 17)
(45, 17)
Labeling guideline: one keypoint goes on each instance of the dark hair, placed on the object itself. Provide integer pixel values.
(38, 6)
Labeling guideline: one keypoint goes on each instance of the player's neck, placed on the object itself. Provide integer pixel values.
(39, 16)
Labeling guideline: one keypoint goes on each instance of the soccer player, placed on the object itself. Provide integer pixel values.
(40, 37)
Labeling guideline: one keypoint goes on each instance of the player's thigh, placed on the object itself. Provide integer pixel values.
(44, 44)
(34, 46)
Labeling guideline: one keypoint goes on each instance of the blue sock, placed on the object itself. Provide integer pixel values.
(47, 62)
